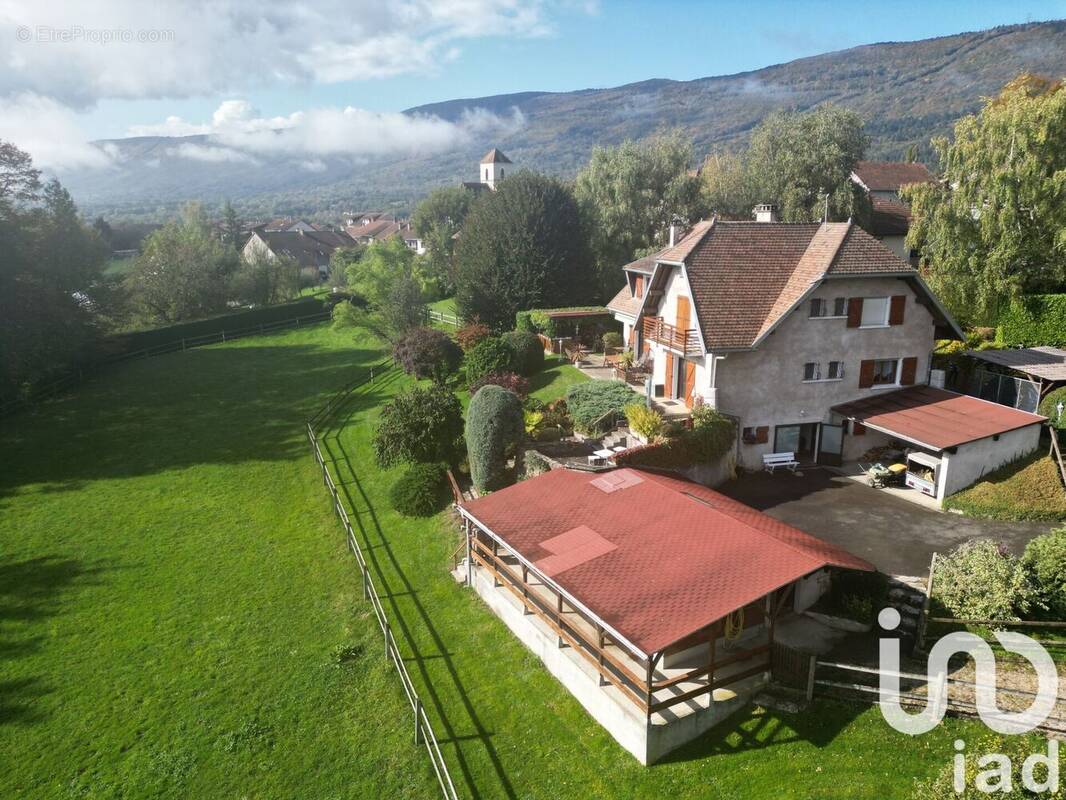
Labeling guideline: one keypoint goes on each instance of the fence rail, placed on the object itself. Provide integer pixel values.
(65, 382)
(423, 729)
(442, 317)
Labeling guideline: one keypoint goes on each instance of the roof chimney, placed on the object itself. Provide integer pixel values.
(673, 234)
(765, 212)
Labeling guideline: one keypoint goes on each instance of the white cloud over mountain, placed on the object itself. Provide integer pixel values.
(61, 57)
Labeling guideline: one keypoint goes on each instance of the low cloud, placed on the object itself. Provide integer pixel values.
(211, 154)
(51, 133)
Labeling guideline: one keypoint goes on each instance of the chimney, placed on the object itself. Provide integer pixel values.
(673, 234)
(765, 212)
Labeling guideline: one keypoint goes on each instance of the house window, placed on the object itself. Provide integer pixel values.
(812, 371)
(836, 371)
(874, 312)
(748, 435)
(885, 371)
(825, 308)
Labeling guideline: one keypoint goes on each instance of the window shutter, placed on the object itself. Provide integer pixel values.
(762, 434)
(858, 429)
(896, 310)
(866, 374)
(908, 371)
(639, 290)
(854, 312)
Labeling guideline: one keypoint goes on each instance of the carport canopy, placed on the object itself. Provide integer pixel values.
(935, 419)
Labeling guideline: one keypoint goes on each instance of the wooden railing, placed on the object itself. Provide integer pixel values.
(685, 341)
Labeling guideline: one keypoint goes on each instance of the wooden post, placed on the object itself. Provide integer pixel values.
(710, 671)
(559, 618)
(495, 563)
(923, 618)
(813, 665)
(469, 556)
(525, 590)
(599, 645)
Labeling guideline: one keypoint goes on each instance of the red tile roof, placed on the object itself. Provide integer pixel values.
(624, 302)
(654, 558)
(936, 418)
(888, 176)
(889, 217)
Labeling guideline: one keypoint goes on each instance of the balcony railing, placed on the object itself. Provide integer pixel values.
(686, 342)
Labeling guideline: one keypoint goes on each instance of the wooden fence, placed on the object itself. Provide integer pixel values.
(444, 318)
(423, 729)
(75, 377)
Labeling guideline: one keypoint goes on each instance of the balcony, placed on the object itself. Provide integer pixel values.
(686, 342)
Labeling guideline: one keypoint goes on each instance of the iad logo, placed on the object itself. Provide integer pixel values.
(984, 685)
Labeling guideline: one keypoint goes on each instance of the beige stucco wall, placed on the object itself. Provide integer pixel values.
(766, 386)
(974, 460)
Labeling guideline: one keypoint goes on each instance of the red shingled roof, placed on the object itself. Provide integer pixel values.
(654, 558)
(888, 176)
(935, 418)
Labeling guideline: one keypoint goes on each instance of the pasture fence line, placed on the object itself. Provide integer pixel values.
(423, 729)
(444, 318)
(76, 376)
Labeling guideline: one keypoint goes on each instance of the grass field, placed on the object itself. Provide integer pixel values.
(1029, 488)
(179, 618)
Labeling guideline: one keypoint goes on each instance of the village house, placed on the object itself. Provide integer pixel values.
(807, 334)
(890, 217)
(656, 602)
(375, 226)
(311, 249)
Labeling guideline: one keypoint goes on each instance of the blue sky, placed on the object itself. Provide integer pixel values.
(333, 73)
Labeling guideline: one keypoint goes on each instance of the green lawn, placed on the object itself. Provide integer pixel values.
(1030, 488)
(445, 306)
(179, 618)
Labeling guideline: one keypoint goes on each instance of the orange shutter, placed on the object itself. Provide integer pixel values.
(866, 374)
(671, 389)
(896, 309)
(690, 382)
(638, 290)
(857, 428)
(762, 434)
(908, 371)
(854, 312)
(683, 313)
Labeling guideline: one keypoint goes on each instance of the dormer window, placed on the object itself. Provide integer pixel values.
(638, 287)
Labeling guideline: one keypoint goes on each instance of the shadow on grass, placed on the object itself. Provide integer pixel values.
(31, 591)
(149, 416)
(380, 555)
(760, 729)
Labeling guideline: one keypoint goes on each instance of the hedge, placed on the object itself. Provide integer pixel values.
(528, 351)
(537, 320)
(156, 337)
(489, 355)
(1049, 407)
(494, 428)
(702, 444)
(1036, 319)
(421, 491)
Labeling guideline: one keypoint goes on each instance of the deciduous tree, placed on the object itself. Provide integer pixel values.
(437, 220)
(995, 226)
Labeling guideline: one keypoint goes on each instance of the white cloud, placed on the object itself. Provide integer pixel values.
(171, 126)
(236, 129)
(186, 48)
(211, 154)
(50, 133)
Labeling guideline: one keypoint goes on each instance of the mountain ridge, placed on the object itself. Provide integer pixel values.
(906, 92)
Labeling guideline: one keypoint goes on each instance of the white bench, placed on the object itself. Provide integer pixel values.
(772, 461)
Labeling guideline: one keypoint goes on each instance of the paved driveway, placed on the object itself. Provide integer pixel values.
(897, 536)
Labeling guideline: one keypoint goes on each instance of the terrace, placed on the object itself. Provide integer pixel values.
(686, 342)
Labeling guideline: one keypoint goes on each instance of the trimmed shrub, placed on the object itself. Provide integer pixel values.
(1034, 320)
(510, 381)
(470, 334)
(421, 491)
(1044, 561)
(345, 315)
(523, 321)
(644, 421)
(1049, 408)
(612, 340)
(982, 580)
(704, 443)
(712, 433)
(528, 351)
(427, 353)
(489, 355)
(588, 403)
(494, 431)
(419, 425)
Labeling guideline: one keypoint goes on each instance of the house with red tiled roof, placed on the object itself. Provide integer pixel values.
(890, 217)
(374, 226)
(800, 331)
(655, 601)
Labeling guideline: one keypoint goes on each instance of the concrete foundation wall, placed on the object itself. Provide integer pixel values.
(974, 460)
(606, 704)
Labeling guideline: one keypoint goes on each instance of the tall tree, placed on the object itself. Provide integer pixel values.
(265, 279)
(50, 262)
(183, 271)
(631, 194)
(385, 277)
(231, 226)
(794, 160)
(437, 220)
(523, 246)
(995, 226)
